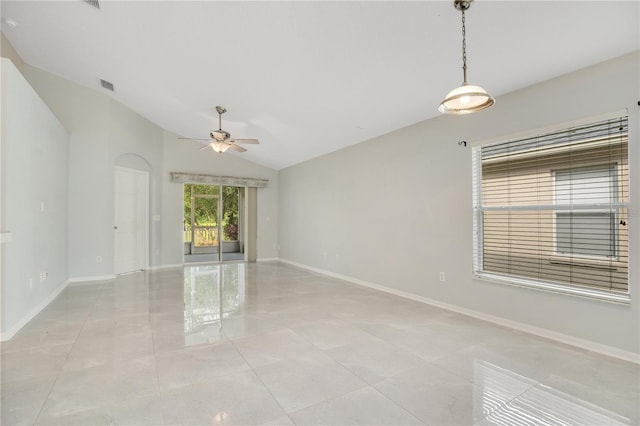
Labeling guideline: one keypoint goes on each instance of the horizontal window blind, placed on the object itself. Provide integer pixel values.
(551, 210)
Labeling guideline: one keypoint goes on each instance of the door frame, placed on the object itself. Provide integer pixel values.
(142, 220)
(243, 223)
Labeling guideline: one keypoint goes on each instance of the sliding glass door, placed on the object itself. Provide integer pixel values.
(213, 223)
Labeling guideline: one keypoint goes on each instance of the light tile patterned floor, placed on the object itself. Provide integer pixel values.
(270, 344)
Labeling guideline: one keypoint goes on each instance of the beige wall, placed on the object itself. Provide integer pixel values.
(102, 131)
(395, 211)
(34, 202)
(7, 51)
(185, 156)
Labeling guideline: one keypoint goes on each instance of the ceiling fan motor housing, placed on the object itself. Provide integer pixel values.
(220, 135)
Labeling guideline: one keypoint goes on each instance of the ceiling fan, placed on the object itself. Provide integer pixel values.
(220, 140)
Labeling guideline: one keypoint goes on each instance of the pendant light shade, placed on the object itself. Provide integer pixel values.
(467, 98)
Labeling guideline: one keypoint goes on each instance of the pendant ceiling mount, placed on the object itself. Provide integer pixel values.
(462, 4)
(467, 98)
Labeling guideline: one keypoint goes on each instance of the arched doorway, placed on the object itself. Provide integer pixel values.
(131, 214)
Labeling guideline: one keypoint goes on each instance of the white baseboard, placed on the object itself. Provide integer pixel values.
(542, 332)
(169, 266)
(268, 259)
(91, 280)
(6, 335)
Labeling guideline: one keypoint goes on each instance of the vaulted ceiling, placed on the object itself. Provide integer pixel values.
(308, 78)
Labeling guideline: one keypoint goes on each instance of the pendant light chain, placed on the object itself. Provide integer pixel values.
(464, 48)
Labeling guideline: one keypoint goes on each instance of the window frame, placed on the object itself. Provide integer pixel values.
(613, 236)
(613, 294)
(612, 169)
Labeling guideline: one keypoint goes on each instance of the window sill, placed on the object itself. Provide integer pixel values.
(594, 294)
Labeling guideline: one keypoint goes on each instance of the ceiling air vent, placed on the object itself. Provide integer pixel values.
(106, 84)
(94, 3)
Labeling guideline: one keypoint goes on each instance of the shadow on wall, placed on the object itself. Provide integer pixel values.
(133, 161)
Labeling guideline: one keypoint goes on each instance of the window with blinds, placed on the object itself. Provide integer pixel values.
(551, 210)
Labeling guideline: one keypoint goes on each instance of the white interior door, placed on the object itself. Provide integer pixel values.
(131, 227)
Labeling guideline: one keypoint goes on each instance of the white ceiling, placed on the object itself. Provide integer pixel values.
(308, 78)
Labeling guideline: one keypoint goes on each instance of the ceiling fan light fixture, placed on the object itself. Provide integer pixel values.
(219, 146)
(220, 140)
(467, 98)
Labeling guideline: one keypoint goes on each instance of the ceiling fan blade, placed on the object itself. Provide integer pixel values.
(247, 141)
(237, 147)
(195, 139)
(205, 147)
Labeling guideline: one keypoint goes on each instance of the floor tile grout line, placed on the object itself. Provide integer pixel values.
(338, 364)
(155, 361)
(369, 386)
(75, 341)
(474, 385)
(399, 404)
(262, 382)
(511, 355)
(506, 403)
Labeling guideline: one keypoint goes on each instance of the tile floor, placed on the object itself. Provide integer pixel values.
(278, 345)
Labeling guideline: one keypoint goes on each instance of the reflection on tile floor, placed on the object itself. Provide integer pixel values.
(213, 257)
(270, 344)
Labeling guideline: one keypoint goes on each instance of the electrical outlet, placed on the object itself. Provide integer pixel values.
(442, 277)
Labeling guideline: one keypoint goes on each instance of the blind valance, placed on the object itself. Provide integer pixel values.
(180, 177)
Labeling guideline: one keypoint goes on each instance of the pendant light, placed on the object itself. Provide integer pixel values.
(466, 98)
